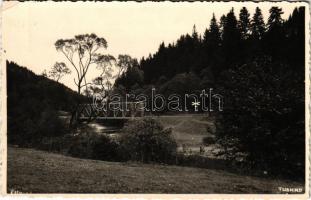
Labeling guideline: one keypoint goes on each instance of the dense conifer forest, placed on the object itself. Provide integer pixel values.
(259, 69)
(226, 43)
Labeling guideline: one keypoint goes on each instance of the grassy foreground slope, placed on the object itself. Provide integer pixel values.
(36, 171)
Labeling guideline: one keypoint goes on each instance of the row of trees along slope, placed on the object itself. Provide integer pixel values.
(227, 43)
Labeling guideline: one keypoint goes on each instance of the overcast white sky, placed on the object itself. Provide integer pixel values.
(30, 29)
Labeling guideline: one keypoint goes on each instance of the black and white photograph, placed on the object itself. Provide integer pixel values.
(155, 97)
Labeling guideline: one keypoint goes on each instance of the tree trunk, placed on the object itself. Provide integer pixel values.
(75, 114)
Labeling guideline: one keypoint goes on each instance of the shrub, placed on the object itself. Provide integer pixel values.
(94, 146)
(81, 146)
(50, 125)
(146, 140)
(54, 144)
(201, 162)
(208, 140)
(105, 148)
(29, 131)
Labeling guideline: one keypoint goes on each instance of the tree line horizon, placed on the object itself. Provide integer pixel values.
(222, 38)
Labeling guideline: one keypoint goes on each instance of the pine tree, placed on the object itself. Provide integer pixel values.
(221, 25)
(205, 35)
(231, 32)
(195, 33)
(193, 59)
(244, 23)
(295, 33)
(211, 45)
(195, 36)
(231, 40)
(275, 19)
(212, 36)
(257, 25)
(275, 39)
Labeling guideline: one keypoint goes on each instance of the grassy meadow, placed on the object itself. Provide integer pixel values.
(34, 171)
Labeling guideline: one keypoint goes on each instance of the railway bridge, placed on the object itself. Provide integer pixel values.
(121, 110)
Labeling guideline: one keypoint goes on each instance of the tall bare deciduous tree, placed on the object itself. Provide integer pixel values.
(58, 70)
(83, 51)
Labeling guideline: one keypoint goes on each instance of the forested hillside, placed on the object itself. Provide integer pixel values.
(259, 69)
(32, 104)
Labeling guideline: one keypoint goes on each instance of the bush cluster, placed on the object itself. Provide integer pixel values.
(143, 140)
(30, 132)
(146, 140)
